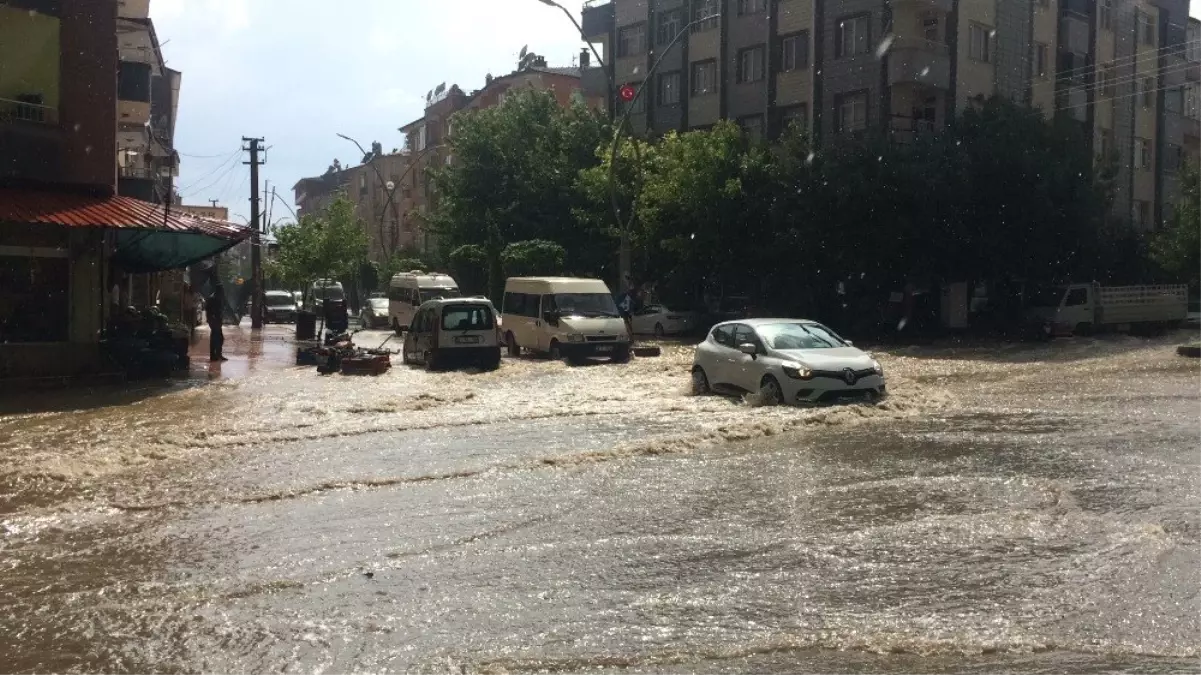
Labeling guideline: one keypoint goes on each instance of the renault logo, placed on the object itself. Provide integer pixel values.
(848, 376)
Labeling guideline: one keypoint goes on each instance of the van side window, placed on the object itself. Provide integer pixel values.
(548, 304)
(415, 297)
(512, 304)
(724, 335)
(394, 293)
(1076, 297)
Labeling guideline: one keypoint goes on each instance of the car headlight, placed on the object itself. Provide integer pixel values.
(877, 367)
(797, 371)
(575, 337)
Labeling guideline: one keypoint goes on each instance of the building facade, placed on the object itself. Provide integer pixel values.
(906, 67)
(148, 99)
(379, 207)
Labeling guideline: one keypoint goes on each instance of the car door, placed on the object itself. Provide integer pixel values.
(718, 355)
(423, 330)
(545, 331)
(745, 370)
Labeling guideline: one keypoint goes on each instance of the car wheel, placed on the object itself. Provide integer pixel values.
(492, 362)
(396, 327)
(770, 392)
(700, 382)
(431, 362)
(659, 332)
(514, 348)
(621, 355)
(556, 354)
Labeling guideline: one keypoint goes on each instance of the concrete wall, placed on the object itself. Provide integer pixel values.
(974, 78)
(667, 117)
(742, 32)
(1012, 48)
(706, 109)
(860, 72)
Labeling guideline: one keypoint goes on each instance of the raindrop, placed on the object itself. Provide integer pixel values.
(925, 71)
(885, 45)
(88, 150)
(809, 158)
(992, 33)
(692, 236)
(880, 158)
(78, 126)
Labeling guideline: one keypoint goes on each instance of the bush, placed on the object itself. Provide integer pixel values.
(534, 257)
(469, 265)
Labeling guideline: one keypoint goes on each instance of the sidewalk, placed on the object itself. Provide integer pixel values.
(248, 351)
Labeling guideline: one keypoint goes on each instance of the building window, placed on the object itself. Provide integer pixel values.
(1106, 144)
(1146, 28)
(669, 88)
(669, 26)
(704, 77)
(631, 40)
(751, 7)
(1040, 60)
(705, 15)
(980, 42)
(853, 36)
(795, 118)
(1148, 92)
(1106, 14)
(1173, 157)
(752, 127)
(638, 105)
(794, 52)
(362, 184)
(421, 136)
(1173, 100)
(930, 30)
(1142, 154)
(750, 64)
(1142, 213)
(34, 299)
(852, 112)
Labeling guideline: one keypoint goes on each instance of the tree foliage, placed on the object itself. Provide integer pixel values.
(535, 257)
(1177, 248)
(469, 265)
(331, 244)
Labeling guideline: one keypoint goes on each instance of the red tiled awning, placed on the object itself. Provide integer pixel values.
(20, 205)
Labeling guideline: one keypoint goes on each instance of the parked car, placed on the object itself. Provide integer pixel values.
(659, 320)
(374, 313)
(785, 361)
(279, 307)
(450, 332)
(407, 291)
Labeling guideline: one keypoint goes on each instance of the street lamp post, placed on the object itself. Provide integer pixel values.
(383, 183)
(623, 255)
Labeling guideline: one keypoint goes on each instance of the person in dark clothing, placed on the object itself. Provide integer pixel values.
(214, 310)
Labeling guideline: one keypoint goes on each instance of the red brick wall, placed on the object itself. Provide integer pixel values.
(88, 104)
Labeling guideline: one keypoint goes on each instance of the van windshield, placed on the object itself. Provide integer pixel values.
(466, 317)
(432, 293)
(328, 293)
(586, 304)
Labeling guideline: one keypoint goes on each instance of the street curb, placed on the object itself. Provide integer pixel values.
(1189, 351)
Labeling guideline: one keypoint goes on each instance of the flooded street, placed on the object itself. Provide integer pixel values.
(1030, 508)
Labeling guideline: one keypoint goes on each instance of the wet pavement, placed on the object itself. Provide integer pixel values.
(1027, 508)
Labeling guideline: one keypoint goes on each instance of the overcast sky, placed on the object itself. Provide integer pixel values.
(298, 72)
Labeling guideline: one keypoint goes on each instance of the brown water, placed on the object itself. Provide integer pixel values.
(1018, 508)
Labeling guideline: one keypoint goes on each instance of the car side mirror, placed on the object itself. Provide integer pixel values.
(551, 317)
(748, 349)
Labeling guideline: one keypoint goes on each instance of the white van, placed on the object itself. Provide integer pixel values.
(326, 289)
(451, 332)
(409, 290)
(564, 317)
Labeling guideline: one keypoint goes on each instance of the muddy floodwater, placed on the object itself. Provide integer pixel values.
(1030, 508)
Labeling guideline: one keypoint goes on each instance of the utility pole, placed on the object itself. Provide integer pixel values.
(256, 239)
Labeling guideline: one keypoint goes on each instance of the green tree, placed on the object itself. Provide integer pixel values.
(331, 245)
(514, 175)
(1177, 248)
(535, 257)
(469, 265)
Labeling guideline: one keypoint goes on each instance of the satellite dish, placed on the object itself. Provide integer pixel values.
(523, 51)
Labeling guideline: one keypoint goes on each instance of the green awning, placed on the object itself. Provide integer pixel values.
(141, 251)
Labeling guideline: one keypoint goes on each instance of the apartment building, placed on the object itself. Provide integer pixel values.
(148, 100)
(426, 136)
(905, 67)
(379, 207)
(72, 243)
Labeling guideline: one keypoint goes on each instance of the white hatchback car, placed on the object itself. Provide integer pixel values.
(785, 361)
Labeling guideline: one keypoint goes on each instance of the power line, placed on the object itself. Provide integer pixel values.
(225, 174)
(1119, 98)
(184, 154)
(1132, 80)
(1122, 61)
(229, 162)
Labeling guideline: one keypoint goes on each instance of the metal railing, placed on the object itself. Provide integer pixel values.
(12, 110)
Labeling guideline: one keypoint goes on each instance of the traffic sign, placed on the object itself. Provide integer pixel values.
(627, 92)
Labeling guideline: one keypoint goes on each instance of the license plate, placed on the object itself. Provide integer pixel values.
(467, 340)
(604, 348)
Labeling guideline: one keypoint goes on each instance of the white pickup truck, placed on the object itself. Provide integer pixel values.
(1086, 308)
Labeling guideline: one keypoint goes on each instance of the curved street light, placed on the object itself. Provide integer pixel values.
(623, 255)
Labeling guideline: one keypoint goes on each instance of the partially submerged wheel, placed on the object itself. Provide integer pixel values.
(770, 392)
(700, 382)
(514, 348)
(396, 327)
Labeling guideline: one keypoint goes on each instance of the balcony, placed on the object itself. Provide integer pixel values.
(133, 93)
(597, 19)
(31, 142)
(920, 62)
(27, 110)
(944, 6)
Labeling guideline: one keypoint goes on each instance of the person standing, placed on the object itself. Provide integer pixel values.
(214, 310)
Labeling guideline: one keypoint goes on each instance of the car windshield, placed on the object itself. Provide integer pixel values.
(799, 336)
(586, 304)
(1045, 296)
(434, 293)
(328, 293)
(378, 303)
(466, 317)
(279, 300)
